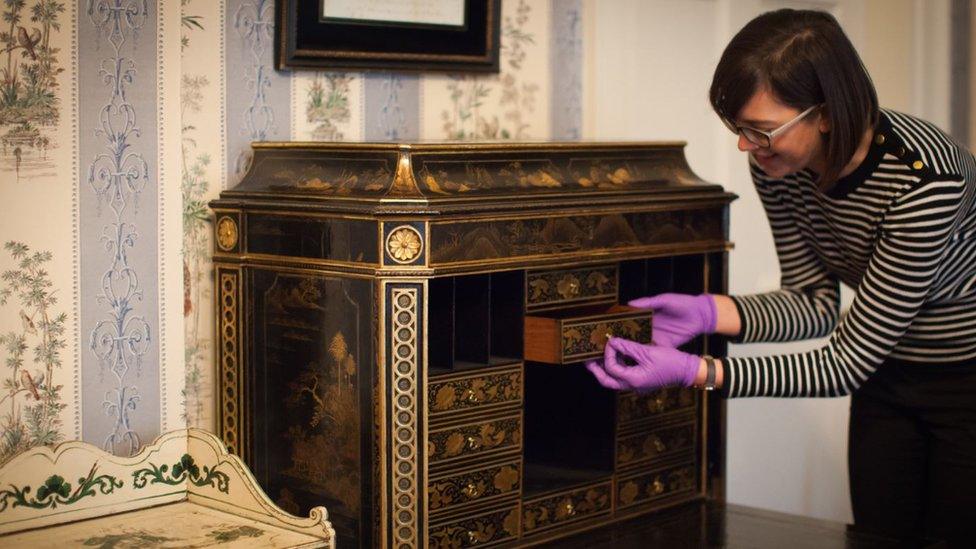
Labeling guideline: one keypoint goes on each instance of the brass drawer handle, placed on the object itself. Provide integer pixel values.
(473, 537)
(660, 403)
(471, 396)
(473, 443)
(568, 287)
(471, 491)
(658, 486)
(659, 445)
(570, 510)
(574, 288)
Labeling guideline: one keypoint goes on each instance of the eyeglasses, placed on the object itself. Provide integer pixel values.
(762, 138)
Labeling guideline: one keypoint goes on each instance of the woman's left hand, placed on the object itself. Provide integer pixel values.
(654, 367)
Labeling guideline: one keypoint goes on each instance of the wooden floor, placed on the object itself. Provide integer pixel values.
(706, 525)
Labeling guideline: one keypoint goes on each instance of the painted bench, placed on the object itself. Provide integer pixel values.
(183, 490)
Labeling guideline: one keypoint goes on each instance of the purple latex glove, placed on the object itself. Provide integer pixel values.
(655, 367)
(679, 318)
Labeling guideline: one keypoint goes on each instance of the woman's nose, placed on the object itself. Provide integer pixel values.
(745, 145)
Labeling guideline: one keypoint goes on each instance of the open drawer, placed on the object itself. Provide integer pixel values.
(570, 335)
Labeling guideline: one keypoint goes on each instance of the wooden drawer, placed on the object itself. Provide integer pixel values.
(561, 287)
(571, 335)
(475, 393)
(542, 514)
(482, 438)
(638, 448)
(664, 483)
(481, 530)
(634, 408)
(480, 485)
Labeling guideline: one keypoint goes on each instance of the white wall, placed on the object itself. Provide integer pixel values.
(647, 68)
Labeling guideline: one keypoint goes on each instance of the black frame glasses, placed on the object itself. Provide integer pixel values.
(764, 138)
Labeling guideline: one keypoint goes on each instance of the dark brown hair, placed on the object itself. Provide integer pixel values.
(804, 58)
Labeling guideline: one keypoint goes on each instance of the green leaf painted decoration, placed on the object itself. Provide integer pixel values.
(55, 491)
(185, 468)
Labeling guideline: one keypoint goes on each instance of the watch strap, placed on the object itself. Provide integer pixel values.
(709, 373)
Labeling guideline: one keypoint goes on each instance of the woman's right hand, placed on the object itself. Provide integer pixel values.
(679, 318)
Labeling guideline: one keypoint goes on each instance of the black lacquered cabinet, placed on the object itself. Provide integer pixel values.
(402, 330)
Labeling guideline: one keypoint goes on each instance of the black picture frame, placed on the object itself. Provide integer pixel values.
(303, 40)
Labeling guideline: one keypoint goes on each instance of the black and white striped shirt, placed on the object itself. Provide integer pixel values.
(901, 230)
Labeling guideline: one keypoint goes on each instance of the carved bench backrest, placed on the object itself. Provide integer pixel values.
(75, 480)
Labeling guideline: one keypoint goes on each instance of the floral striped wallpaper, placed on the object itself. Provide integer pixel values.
(121, 119)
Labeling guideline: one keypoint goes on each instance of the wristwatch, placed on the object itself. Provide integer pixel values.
(709, 384)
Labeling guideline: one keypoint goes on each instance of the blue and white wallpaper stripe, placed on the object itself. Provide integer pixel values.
(119, 287)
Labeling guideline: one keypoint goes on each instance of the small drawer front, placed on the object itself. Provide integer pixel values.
(568, 286)
(475, 486)
(637, 448)
(480, 439)
(632, 407)
(663, 483)
(482, 530)
(575, 338)
(551, 511)
(449, 396)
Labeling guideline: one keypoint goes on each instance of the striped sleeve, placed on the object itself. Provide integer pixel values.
(903, 266)
(806, 305)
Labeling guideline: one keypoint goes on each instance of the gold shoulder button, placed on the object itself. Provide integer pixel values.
(879, 139)
(918, 165)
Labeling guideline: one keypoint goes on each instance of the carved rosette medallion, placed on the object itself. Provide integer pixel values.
(226, 233)
(404, 360)
(404, 245)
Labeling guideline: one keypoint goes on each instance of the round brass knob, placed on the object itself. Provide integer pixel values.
(659, 403)
(658, 444)
(471, 490)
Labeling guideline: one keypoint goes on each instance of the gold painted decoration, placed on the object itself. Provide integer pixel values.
(507, 478)
(319, 174)
(453, 178)
(599, 282)
(325, 437)
(635, 407)
(226, 233)
(477, 438)
(474, 486)
(588, 339)
(568, 285)
(544, 513)
(475, 392)
(628, 492)
(658, 484)
(480, 530)
(404, 244)
(491, 240)
(641, 447)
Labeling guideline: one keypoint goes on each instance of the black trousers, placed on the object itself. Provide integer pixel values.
(912, 452)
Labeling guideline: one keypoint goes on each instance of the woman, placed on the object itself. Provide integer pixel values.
(881, 201)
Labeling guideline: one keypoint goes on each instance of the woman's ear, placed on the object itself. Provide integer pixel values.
(823, 121)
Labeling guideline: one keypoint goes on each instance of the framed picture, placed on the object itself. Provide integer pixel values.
(407, 35)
